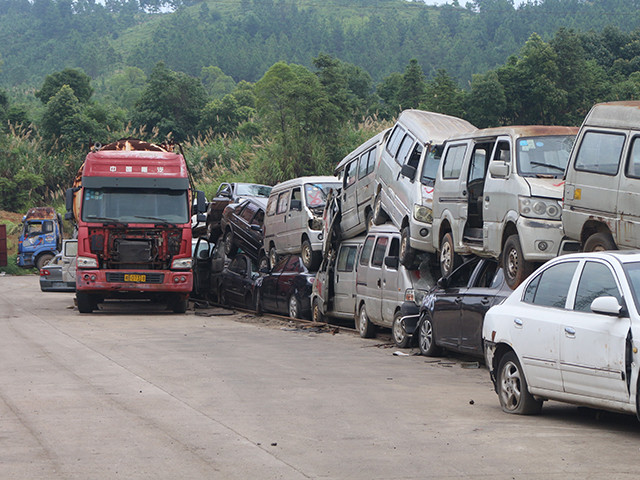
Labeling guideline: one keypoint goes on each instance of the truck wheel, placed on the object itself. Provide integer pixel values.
(379, 216)
(180, 304)
(407, 253)
(599, 242)
(43, 259)
(516, 268)
(449, 259)
(86, 303)
(310, 259)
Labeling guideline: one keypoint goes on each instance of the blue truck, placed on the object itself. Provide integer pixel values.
(41, 237)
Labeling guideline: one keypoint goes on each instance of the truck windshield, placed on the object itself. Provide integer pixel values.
(430, 166)
(250, 190)
(316, 193)
(544, 156)
(132, 205)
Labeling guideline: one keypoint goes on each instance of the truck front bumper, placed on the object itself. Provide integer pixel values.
(108, 282)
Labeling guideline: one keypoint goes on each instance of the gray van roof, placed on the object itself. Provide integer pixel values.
(615, 115)
(379, 138)
(433, 127)
(517, 131)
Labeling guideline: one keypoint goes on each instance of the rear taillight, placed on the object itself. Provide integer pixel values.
(44, 272)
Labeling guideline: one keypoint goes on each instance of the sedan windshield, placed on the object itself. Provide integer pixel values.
(250, 190)
(316, 193)
(132, 205)
(544, 156)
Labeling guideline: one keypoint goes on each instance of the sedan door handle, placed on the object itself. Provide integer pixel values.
(570, 332)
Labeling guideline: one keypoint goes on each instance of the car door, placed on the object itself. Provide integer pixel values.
(234, 285)
(499, 195)
(201, 270)
(592, 345)
(285, 282)
(628, 216)
(392, 286)
(349, 196)
(374, 278)
(345, 280)
(269, 288)
(448, 201)
(279, 231)
(295, 221)
(536, 324)
(69, 256)
(364, 185)
(408, 154)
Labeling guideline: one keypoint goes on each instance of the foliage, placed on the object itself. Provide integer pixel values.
(78, 81)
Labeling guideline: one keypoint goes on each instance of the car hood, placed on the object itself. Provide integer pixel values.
(546, 187)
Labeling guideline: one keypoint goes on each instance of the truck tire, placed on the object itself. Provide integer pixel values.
(599, 242)
(43, 259)
(86, 302)
(180, 304)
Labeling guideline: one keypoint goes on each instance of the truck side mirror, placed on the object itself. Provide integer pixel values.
(499, 169)
(68, 203)
(201, 201)
(408, 171)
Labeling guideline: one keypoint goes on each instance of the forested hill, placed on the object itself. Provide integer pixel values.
(244, 38)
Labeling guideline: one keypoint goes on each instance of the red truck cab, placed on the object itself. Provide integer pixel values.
(131, 202)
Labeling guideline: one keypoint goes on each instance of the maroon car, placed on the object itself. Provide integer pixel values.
(227, 194)
(242, 225)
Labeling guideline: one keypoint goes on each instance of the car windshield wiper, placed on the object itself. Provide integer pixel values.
(540, 164)
(157, 219)
(106, 220)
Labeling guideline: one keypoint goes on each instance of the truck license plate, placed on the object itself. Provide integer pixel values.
(135, 277)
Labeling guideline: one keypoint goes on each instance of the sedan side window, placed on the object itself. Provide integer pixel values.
(596, 281)
(551, 287)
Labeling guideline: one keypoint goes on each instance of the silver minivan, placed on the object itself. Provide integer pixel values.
(498, 194)
(602, 185)
(293, 221)
(406, 175)
(357, 173)
(383, 284)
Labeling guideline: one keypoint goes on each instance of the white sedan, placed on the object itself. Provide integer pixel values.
(570, 332)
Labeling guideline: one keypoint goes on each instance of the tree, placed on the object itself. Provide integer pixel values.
(413, 89)
(171, 102)
(216, 82)
(79, 82)
(444, 96)
(486, 103)
(388, 90)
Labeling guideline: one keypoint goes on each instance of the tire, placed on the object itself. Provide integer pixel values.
(230, 247)
(316, 314)
(294, 307)
(368, 221)
(222, 298)
(365, 327)
(180, 304)
(86, 303)
(399, 334)
(379, 216)
(43, 259)
(426, 340)
(516, 268)
(248, 302)
(310, 259)
(259, 307)
(273, 256)
(449, 259)
(512, 388)
(263, 262)
(407, 253)
(599, 242)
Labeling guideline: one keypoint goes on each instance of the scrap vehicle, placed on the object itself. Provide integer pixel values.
(131, 202)
(242, 226)
(59, 275)
(227, 194)
(234, 284)
(41, 237)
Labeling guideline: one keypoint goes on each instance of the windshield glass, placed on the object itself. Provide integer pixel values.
(430, 166)
(544, 156)
(249, 190)
(316, 193)
(135, 205)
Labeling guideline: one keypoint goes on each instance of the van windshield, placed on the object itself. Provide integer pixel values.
(544, 156)
(430, 166)
(316, 193)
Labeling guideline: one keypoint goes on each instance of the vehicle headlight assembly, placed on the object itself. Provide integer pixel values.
(182, 263)
(537, 207)
(422, 213)
(87, 262)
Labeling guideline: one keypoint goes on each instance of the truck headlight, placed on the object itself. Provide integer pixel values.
(87, 262)
(181, 263)
(422, 213)
(537, 207)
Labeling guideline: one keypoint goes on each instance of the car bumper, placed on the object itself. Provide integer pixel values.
(489, 353)
(57, 286)
(421, 235)
(539, 239)
(410, 315)
(116, 281)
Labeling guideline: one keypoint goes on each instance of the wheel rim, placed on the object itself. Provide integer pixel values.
(362, 325)
(293, 307)
(445, 256)
(404, 244)
(398, 331)
(512, 263)
(227, 243)
(316, 312)
(510, 386)
(272, 256)
(306, 254)
(426, 336)
(377, 207)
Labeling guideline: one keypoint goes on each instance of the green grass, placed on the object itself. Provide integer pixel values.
(13, 269)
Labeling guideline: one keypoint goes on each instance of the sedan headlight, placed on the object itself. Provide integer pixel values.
(537, 207)
(182, 263)
(87, 262)
(422, 213)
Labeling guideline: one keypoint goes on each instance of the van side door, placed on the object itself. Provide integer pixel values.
(629, 199)
(279, 231)
(349, 196)
(295, 221)
(374, 278)
(500, 193)
(393, 286)
(345, 280)
(364, 186)
(69, 254)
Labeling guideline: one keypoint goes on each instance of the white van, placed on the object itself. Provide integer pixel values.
(357, 174)
(383, 284)
(293, 221)
(406, 174)
(602, 185)
(498, 194)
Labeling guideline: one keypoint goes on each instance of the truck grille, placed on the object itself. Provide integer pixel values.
(118, 277)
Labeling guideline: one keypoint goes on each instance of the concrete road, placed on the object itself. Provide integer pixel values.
(138, 393)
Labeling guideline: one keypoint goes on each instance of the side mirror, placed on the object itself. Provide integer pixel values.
(499, 169)
(442, 282)
(256, 228)
(201, 217)
(68, 202)
(408, 171)
(296, 205)
(392, 262)
(201, 202)
(606, 306)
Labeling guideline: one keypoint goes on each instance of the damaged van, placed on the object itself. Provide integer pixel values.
(406, 174)
(498, 194)
(602, 185)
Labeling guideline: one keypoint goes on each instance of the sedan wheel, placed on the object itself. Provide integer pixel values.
(294, 307)
(426, 340)
(512, 388)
